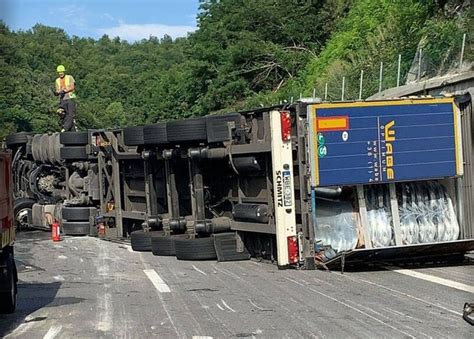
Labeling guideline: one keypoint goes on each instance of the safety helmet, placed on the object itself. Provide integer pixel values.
(60, 69)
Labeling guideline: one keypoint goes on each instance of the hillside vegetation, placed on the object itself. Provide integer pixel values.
(244, 53)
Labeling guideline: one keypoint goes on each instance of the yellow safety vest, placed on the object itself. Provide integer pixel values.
(67, 80)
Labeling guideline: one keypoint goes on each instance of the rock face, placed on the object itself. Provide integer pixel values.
(420, 64)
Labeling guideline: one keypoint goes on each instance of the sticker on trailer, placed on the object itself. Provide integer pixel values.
(287, 196)
(384, 141)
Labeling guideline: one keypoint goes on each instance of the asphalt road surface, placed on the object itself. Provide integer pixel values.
(91, 288)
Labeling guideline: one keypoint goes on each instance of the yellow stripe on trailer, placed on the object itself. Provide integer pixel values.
(458, 140)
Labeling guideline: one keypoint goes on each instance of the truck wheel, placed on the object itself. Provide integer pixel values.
(44, 145)
(155, 134)
(76, 213)
(74, 153)
(17, 139)
(133, 136)
(35, 147)
(141, 241)
(22, 213)
(8, 288)
(76, 227)
(74, 138)
(163, 245)
(195, 249)
(187, 130)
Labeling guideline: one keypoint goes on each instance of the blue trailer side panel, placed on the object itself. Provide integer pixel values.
(380, 142)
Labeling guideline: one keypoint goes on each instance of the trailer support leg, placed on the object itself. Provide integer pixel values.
(363, 216)
(395, 215)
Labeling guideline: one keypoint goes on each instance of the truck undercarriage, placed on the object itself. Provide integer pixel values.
(288, 183)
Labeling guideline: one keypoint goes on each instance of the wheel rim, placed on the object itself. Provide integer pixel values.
(21, 218)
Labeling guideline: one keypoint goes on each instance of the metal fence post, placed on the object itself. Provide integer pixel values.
(419, 64)
(380, 77)
(326, 92)
(360, 83)
(343, 85)
(462, 49)
(398, 69)
(314, 92)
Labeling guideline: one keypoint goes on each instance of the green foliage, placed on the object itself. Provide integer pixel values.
(245, 53)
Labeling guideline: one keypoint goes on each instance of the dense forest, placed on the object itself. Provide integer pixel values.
(244, 53)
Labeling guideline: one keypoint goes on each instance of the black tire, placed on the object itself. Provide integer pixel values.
(44, 145)
(74, 153)
(76, 213)
(133, 136)
(155, 134)
(74, 138)
(141, 241)
(195, 249)
(36, 147)
(162, 245)
(76, 227)
(8, 285)
(187, 130)
(22, 213)
(217, 126)
(17, 139)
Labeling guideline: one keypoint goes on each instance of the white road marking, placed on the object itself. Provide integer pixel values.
(461, 275)
(433, 279)
(197, 269)
(53, 332)
(105, 306)
(59, 277)
(201, 337)
(163, 304)
(27, 325)
(156, 280)
(220, 307)
(62, 257)
(20, 330)
(227, 306)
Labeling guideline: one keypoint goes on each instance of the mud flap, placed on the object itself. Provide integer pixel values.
(227, 247)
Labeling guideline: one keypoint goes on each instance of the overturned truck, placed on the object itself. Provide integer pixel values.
(301, 184)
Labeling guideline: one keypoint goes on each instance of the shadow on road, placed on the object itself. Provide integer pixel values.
(31, 297)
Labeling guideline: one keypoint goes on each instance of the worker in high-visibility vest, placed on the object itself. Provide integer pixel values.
(67, 107)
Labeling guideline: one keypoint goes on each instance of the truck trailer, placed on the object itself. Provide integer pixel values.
(304, 184)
